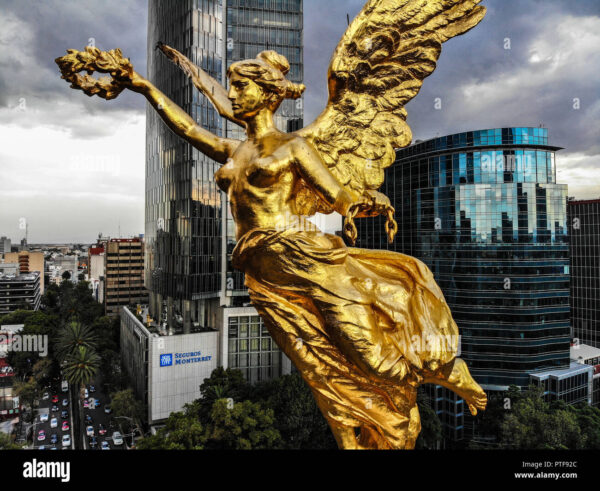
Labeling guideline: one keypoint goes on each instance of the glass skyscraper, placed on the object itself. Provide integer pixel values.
(190, 233)
(483, 210)
(584, 231)
(254, 26)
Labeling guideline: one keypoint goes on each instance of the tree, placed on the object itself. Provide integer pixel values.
(222, 384)
(431, 426)
(74, 336)
(297, 416)
(66, 276)
(43, 371)
(588, 419)
(7, 443)
(28, 391)
(181, 432)
(80, 367)
(35, 323)
(124, 404)
(245, 426)
(533, 425)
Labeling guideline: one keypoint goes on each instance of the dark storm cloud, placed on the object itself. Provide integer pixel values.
(475, 59)
(510, 87)
(45, 29)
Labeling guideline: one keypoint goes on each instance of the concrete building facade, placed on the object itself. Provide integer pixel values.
(124, 269)
(20, 291)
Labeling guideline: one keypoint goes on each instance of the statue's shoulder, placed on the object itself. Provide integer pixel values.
(297, 141)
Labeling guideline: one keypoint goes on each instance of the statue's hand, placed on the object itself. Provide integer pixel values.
(371, 204)
(92, 60)
(379, 203)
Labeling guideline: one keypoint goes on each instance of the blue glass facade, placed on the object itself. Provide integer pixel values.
(584, 232)
(483, 210)
(183, 203)
(254, 26)
(190, 232)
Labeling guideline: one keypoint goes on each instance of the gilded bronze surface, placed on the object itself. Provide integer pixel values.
(364, 328)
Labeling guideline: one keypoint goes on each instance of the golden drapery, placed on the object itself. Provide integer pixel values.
(362, 326)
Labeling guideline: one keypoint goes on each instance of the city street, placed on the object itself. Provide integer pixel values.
(96, 403)
(93, 415)
(46, 407)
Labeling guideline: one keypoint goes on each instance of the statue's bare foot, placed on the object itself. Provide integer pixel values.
(464, 385)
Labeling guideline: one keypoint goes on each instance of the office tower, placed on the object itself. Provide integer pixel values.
(28, 263)
(5, 245)
(254, 26)
(20, 291)
(190, 232)
(584, 232)
(483, 210)
(124, 268)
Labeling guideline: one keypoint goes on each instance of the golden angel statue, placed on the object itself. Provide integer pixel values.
(364, 328)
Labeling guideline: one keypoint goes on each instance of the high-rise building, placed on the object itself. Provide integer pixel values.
(584, 232)
(28, 262)
(483, 210)
(20, 291)
(124, 268)
(5, 245)
(190, 233)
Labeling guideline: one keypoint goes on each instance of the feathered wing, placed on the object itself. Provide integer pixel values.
(379, 65)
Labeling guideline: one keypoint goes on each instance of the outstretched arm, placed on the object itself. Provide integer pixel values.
(123, 76)
(182, 124)
(206, 84)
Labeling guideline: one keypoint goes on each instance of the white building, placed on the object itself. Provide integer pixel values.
(166, 371)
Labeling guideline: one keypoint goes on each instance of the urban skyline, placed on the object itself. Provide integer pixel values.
(532, 66)
(154, 334)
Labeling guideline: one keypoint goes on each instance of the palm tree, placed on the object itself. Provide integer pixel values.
(81, 366)
(72, 337)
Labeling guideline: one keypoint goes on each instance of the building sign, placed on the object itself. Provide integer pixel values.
(166, 360)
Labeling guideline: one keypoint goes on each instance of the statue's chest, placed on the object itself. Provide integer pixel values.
(250, 169)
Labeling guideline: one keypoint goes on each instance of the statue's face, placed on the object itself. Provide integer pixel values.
(246, 96)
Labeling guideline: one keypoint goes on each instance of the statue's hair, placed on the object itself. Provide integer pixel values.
(268, 70)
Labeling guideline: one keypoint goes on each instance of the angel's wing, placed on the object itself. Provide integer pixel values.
(379, 65)
(206, 84)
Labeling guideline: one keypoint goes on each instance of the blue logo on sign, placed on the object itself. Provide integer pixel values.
(166, 360)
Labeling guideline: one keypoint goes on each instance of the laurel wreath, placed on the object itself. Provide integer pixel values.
(94, 60)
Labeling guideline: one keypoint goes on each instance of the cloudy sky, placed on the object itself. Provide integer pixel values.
(73, 166)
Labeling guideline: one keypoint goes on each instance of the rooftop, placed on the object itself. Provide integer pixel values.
(574, 369)
(584, 352)
(582, 201)
(20, 277)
